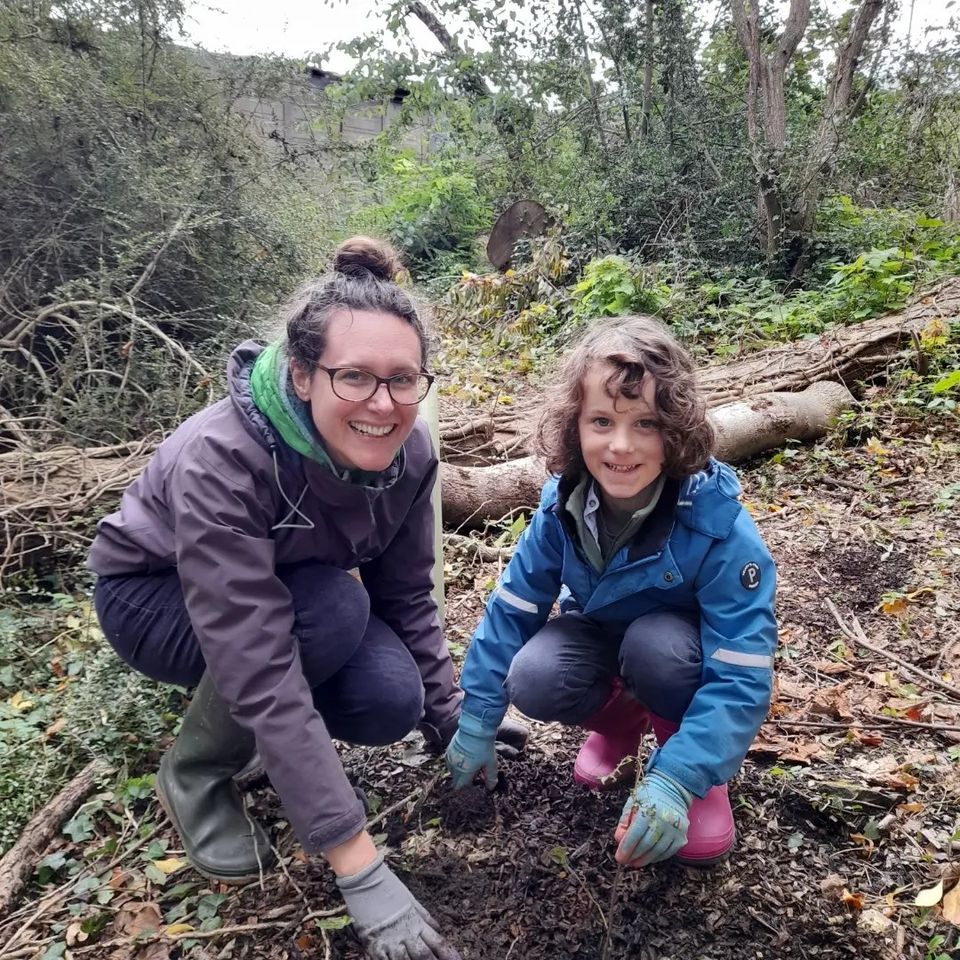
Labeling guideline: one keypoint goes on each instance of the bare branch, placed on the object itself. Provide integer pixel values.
(470, 79)
(796, 26)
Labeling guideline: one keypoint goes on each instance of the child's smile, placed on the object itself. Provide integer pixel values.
(620, 440)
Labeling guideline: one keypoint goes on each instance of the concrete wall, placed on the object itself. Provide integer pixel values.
(304, 119)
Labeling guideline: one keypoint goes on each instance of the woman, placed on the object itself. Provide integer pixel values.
(227, 567)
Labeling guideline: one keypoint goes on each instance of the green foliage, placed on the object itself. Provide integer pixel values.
(138, 209)
(610, 287)
(433, 212)
(66, 698)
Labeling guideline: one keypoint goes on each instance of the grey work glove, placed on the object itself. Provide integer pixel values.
(390, 922)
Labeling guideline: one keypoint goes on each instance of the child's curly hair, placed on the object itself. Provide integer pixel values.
(634, 347)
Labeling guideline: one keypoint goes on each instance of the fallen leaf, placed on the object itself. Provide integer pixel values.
(852, 900)
(55, 727)
(133, 919)
(20, 702)
(873, 921)
(951, 906)
(785, 749)
(930, 897)
(832, 702)
(831, 667)
(901, 780)
(169, 866)
(868, 845)
(75, 934)
(831, 885)
(176, 928)
(802, 752)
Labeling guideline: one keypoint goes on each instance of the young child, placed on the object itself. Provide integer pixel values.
(666, 600)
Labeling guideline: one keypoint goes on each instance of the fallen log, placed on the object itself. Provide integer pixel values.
(41, 494)
(19, 861)
(848, 355)
(845, 354)
(473, 495)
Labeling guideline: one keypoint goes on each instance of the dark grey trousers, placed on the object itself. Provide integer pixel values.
(365, 682)
(565, 671)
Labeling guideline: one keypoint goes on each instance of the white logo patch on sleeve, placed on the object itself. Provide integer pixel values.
(750, 576)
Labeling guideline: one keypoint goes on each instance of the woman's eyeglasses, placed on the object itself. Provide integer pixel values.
(349, 383)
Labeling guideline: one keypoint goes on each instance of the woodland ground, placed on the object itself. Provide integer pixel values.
(847, 807)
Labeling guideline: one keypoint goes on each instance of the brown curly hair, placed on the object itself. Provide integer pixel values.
(635, 347)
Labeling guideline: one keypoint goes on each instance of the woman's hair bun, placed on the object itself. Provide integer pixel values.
(361, 257)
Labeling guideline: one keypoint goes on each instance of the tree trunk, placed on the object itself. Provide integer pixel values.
(647, 107)
(789, 219)
(473, 495)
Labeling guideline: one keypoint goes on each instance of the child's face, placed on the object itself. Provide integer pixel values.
(620, 440)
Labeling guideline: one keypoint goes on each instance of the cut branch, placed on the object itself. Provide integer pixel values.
(19, 861)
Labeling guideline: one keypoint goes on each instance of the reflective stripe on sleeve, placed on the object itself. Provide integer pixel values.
(740, 659)
(507, 597)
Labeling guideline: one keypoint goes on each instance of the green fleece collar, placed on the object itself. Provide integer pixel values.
(583, 505)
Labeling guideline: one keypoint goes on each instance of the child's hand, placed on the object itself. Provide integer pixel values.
(472, 749)
(653, 825)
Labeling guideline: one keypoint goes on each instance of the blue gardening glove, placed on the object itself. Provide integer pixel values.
(472, 749)
(511, 737)
(653, 825)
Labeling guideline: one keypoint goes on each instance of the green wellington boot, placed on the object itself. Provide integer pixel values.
(195, 786)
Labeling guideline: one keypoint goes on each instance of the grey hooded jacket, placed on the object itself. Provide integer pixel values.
(208, 503)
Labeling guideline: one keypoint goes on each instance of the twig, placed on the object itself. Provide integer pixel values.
(483, 551)
(425, 789)
(878, 717)
(858, 636)
(903, 722)
(18, 863)
(468, 429)
(618, 876)
(251, 927)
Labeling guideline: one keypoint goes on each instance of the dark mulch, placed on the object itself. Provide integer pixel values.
(844, 810)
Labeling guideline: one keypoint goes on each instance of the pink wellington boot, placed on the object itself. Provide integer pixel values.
(712, 832)
(617, 729)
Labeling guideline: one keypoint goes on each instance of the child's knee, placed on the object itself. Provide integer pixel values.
(661, 660)
(542, 689)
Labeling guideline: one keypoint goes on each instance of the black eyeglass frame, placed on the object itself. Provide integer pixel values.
(333, 371)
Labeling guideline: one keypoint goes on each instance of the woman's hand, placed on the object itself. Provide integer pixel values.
(653, 825)
(391, 923)
(472, 749)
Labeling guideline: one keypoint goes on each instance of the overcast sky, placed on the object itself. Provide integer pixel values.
(299, 28)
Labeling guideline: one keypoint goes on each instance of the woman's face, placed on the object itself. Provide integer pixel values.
(362, 434)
